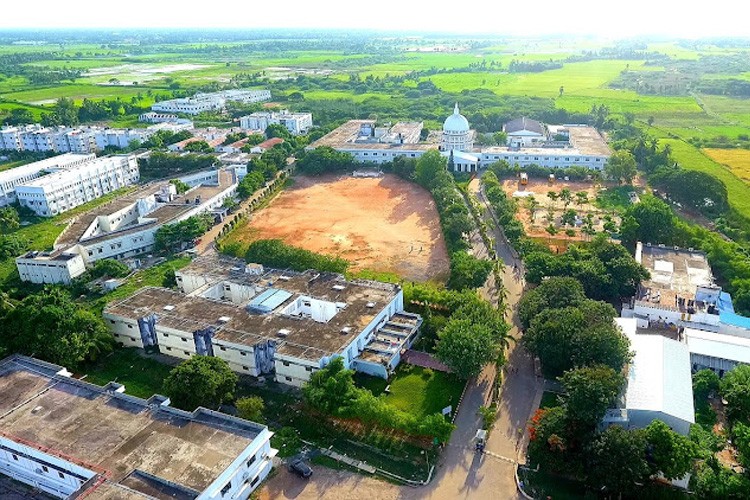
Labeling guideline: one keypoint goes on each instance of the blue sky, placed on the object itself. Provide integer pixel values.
(530, 17)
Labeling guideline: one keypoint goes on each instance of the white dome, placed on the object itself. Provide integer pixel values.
(456, 123)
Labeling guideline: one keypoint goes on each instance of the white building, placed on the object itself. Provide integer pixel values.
(584, 147)
(659, 384)
(525, 132)
(266, 322)
(49, 268)
(214, 101)
(68, 188)
(126, 227)
(18, 176)
(457, 136)
(152, 117)
(72, 439)
(295, 123)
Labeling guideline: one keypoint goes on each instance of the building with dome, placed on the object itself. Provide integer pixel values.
(456, 133)
(529, 143)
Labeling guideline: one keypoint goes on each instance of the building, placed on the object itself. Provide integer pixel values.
(554, 147)
(85, 139)
(125, 228)
(72, 439)
(295, 123)
(18, 176)
(659, 384)
(67, 188)
(525, 132)
(266, 145)
(267, 322)
(214, 101)
(152, 117)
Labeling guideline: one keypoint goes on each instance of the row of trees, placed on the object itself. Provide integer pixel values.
(277, 254)
(177, 236)
(160, 165)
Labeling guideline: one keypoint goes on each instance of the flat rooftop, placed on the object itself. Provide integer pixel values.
(345, 136)
(305, 338)
(675, 272)
(163, 214)
(584, 141)
(114, 435)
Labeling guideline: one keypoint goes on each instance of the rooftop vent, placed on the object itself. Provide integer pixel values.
(284, 278)
(371, 304)
(283, 332)
(37, 409)
(338, 287)
(169, 308)
(224, 319)
(346, 330)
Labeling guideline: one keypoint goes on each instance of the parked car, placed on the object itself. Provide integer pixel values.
(299, 467)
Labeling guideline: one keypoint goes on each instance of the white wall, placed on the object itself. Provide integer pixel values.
(44, 270)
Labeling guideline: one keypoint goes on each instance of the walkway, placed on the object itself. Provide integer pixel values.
(425, 360)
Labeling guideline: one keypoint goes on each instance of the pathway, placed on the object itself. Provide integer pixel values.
(425, 360)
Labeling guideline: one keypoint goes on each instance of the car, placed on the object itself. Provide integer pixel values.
(299, 467)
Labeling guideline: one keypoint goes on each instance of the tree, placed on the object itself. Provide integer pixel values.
(250, 184)
(325, 159)
(735, 388)
(468, 271)
(650, 221)
(569, 217)
(566, 196)
(466, 347)
(532, 204)
(9, 219)
(590, 392)
(741, 433)
(548, 440)
(198, 147)
(713, 481)
(617, 460)
(577, 336)
(331, 389)
(669, 453)
(251, 408)
(582, 197)
(173, 237)
(201, 381)
(49, 325)
(109, 267)
(19, 116)
(181, 186)
(277, 130)
(621, 167)
(705, 382)
(430, 168)
(553, 293)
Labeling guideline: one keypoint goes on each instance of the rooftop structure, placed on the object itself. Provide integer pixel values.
(716, 351)
(584, 146)
(18, 176)
(524, 124)
(659, 384)
(69, 438)
(265, 320)
(126, 226)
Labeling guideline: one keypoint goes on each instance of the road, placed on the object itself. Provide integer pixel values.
(460, 472)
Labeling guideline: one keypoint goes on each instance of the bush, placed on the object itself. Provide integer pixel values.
(200, 381)
(277, 254)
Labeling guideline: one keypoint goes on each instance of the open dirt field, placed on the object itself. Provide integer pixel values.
(549, 211)
(383, 224)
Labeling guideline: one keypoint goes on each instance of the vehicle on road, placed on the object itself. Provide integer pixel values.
(481, 440)
(299, 467)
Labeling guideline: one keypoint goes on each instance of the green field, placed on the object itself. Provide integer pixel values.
(141, 375)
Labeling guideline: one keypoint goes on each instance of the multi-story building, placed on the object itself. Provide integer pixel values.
(295, 123)
(18, 176)
(72, 439)
(267, 322)
(68, 188)
(214, 101)
(583, 145)
(126, 227)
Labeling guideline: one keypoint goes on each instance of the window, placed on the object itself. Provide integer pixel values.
(246, 368)
(308, 368)
(130, 326)
(45, 468)
(222, 348)
(169, 348)
(254, 481)
(117, 336)
(242, 353)
(285, 363)
(183, 339)
(62, 476)
(186, 353)
(251, 461)
(15, 458)
(226, 488)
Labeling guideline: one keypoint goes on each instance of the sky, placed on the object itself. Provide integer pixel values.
(530, 18)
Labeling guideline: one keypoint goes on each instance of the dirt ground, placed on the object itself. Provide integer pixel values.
(535, 227)
(383, 224)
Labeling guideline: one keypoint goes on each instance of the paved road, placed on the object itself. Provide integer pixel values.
(460, 472)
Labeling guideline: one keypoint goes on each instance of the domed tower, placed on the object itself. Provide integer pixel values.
(456, 133)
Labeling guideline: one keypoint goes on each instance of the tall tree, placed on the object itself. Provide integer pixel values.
(431, 167)
(466, 347)
(670, 454)
(621, 167)
(617, 460)
(331, 390)
(589, 392)
(735, 388)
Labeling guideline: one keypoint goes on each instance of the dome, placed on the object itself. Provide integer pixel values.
(456, 123)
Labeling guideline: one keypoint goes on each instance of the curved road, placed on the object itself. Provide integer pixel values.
(461, 472)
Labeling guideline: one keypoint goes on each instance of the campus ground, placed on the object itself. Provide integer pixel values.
(383, 224)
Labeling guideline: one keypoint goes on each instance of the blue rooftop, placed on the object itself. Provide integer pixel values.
(268, 300)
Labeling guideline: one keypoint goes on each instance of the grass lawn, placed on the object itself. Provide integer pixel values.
(614, 198)
(13, 164)
(142, 377)
(417, 390)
